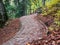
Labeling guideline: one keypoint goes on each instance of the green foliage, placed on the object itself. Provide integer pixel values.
(18, 8)
(53, 8)
(14, 8)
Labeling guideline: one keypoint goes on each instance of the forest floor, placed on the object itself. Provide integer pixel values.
(52, 38)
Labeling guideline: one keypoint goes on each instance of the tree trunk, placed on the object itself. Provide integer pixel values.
(3, 14)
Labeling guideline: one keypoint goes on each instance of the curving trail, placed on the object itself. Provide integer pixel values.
(31, 29)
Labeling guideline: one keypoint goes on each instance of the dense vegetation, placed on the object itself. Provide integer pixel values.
(18, 8)
(53, 9)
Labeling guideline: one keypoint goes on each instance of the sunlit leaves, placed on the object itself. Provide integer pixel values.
(51, 2)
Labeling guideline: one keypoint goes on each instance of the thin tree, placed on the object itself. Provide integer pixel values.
(3, 14)
(43, 2)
